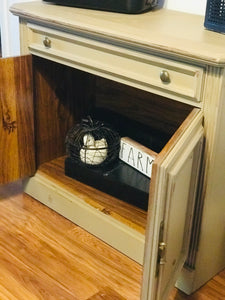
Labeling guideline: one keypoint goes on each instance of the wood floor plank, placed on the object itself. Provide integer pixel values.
(44, 256)
(27, 282)
(107, 294)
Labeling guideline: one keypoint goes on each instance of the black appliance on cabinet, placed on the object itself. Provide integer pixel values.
(121, 6)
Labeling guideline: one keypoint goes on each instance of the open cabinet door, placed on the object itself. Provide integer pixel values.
(172, 196)
(16, 119)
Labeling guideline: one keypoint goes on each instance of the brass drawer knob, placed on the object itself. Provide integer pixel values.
(47, 42)
(165, 76)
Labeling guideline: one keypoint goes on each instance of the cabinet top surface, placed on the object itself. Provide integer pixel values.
(161, 30)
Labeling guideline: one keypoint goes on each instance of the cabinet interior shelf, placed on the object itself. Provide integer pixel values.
(120, 210)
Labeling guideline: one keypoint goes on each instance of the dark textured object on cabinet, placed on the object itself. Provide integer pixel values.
(215, 15)
(121, 6)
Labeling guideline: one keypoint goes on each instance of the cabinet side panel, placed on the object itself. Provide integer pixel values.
(16, 126)
(24, 50)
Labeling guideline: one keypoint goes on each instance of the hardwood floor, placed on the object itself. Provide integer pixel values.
(213, 290)
(44, 256)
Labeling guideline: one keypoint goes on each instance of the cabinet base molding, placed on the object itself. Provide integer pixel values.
(118, 235)
(186, 281)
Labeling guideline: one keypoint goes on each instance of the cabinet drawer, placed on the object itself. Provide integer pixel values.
(147, 72)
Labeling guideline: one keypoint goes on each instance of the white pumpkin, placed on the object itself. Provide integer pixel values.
(95, 151)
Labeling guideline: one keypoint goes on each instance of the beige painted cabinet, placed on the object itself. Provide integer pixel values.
(164, 71)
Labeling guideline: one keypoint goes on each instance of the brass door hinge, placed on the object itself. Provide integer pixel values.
(161, 249)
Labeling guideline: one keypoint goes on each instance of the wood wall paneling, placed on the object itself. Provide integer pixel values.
(62, 97)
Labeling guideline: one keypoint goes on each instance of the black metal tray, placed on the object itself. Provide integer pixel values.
(119, 180)
(121, 6)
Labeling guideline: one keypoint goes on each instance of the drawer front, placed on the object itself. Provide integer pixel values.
(171, 79)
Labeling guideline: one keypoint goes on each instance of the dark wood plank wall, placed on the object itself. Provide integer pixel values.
(61, 98)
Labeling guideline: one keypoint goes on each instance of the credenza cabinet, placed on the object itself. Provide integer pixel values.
(161, 72)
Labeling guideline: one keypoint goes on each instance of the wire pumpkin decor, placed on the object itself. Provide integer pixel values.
(92, 143)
